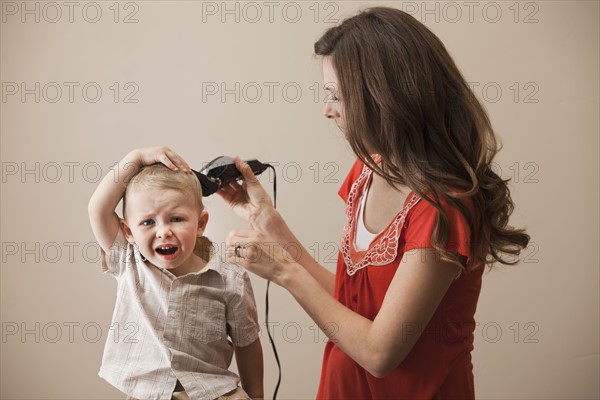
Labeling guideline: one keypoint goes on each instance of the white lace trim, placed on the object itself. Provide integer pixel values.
(383, 250)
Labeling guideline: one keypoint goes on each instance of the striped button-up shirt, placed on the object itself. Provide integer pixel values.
(167, 328)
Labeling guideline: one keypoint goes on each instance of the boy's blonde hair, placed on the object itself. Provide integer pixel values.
(159, 176)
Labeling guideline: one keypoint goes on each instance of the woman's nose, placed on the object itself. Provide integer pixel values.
(330, 111)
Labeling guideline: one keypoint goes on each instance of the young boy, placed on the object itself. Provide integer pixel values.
(178, 304)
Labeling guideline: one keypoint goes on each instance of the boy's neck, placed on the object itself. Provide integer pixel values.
(194, 264)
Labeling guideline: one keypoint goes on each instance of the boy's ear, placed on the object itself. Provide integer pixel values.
(126, 231)
(202, 221)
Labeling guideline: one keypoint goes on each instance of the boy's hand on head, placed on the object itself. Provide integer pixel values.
(161, 154)
(101, 208)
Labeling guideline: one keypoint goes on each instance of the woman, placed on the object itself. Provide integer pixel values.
(425, 210)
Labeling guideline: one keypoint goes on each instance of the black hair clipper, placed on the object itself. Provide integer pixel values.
(221, 171)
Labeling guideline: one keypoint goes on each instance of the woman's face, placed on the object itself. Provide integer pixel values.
(333, 103)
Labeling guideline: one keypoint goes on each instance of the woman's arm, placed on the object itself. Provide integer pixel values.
(282, 237)
(249, 361)
(379, 346)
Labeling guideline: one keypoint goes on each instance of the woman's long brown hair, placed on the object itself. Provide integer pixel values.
(405, 99)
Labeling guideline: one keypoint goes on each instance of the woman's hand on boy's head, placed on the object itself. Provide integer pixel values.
(161, 154)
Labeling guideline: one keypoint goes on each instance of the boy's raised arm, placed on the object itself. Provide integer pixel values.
(101, 208)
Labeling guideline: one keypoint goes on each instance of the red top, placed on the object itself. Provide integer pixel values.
(439, 365)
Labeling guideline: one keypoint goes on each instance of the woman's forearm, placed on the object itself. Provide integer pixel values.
(380, 345)
(272, 222)
(347, 329)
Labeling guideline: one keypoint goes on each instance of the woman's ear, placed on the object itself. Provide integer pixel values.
(126, 231)
(202, 221)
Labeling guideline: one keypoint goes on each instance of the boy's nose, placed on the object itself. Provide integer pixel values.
(164, 232)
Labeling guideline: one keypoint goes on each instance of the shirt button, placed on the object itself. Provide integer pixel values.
(173, 314)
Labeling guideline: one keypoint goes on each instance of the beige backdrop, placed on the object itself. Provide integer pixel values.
(85, 82)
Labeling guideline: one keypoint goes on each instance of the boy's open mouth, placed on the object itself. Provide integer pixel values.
(166, 250)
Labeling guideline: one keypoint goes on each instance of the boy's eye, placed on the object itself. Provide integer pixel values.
(176, 219)
(147, 222)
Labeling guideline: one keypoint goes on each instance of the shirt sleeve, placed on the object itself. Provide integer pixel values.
(120, 255)
(242, 317)
(420, 223)
(352, 176)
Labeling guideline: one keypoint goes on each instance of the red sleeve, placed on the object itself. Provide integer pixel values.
(352, 176)
(420, 223)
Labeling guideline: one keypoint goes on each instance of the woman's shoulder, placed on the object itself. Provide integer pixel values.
(423, 218)
(355, 172)
(451, 205)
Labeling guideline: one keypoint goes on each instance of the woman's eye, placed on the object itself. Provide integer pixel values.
(332, 98)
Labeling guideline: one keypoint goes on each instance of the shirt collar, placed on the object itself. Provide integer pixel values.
(214, 264)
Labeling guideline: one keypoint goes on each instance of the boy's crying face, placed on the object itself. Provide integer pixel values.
(164, 223)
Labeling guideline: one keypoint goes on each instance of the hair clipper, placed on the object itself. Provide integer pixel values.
(222, 171)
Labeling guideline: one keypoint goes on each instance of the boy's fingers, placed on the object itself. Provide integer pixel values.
(175, 161)
(164, 158)
(183, 165)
